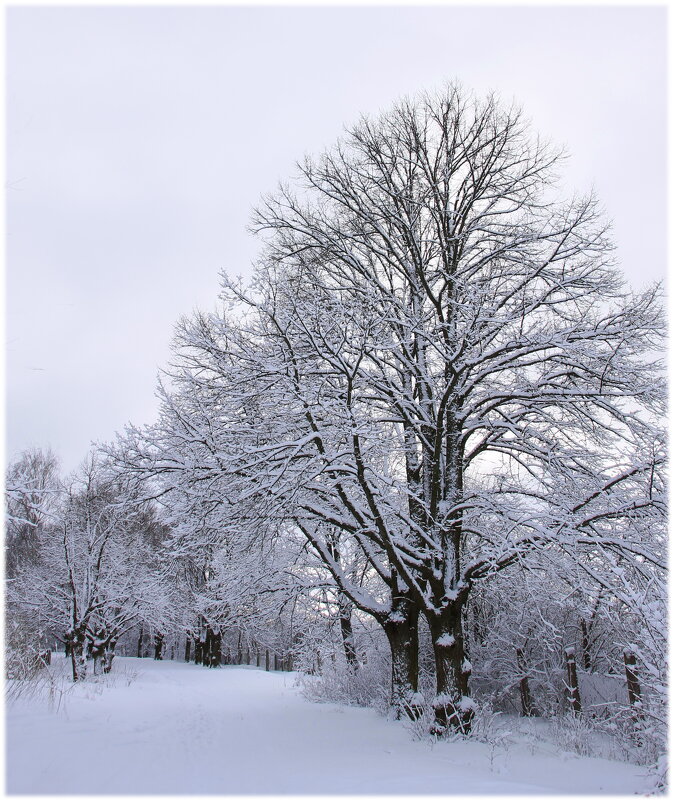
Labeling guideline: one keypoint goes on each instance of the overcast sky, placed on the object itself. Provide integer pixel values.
(139, 139)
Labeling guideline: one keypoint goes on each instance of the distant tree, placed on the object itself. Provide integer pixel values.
(31, 491)
(93, 575)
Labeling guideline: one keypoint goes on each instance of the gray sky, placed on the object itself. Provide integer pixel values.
(138, 140)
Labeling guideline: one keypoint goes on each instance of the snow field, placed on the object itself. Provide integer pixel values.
(174, 728)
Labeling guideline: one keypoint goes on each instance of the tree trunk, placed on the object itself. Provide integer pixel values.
(198, 652)
(205, 655)
(109, 656)
(158, 646)
(78, 655)
(401, 628)
(586, 646)
(573, 685)
(633, 684)
(215, 649)
(345, 620)
(527, 709)
(454, 709)
(140, 643)
(98, 654)
(188, 649)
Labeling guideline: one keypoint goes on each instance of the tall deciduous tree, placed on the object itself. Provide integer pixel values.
(463, 328)
(436, 352)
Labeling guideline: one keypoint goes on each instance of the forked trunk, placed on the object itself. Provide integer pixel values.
(453, 707)
(401, 628)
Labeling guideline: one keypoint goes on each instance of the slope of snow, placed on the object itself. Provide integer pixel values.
(168, 727)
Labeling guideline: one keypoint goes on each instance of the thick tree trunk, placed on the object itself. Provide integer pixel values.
(346, 623)
(453, 707)
(140, 643)
(98, 654)
(198, 652)
(109, 656)
(158, 646)
(188, 649)
(401, 628)
(214, 649)
(78, 655)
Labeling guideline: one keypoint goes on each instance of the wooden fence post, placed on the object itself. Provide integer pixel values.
(573, 686)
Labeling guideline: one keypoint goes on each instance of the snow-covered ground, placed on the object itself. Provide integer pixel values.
(169, 727)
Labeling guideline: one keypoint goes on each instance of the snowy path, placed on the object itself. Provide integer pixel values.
(176, 728)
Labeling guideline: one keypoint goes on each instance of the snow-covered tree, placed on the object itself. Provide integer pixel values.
(31, 492)
(435, 329)
(436, 374)
(94, 573)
